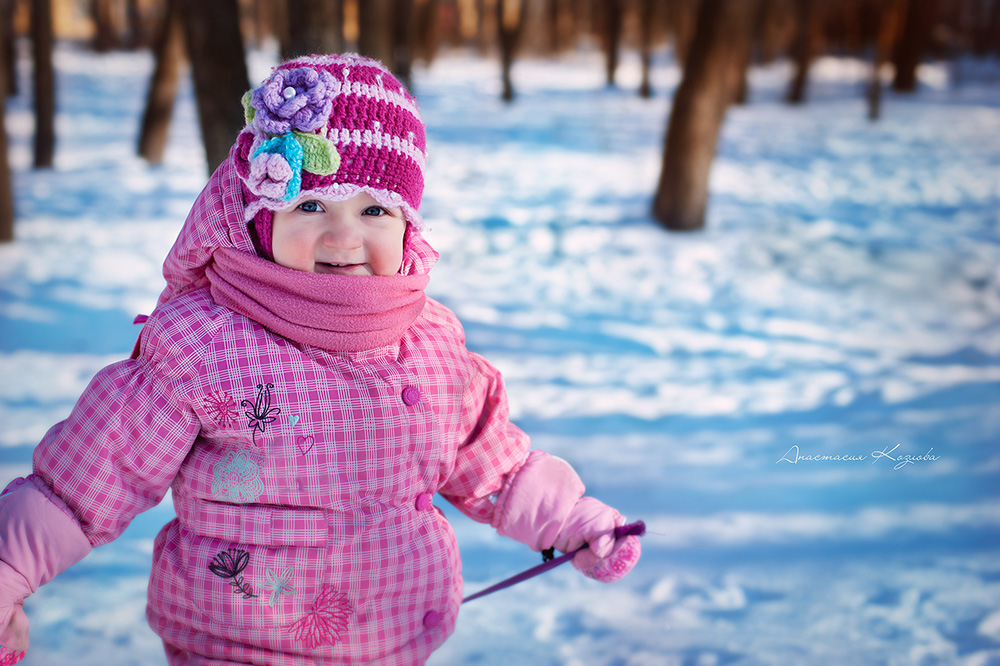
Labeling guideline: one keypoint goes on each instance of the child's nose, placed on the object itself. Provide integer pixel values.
(341, 233)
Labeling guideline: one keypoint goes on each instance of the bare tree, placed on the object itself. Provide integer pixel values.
(510, 26)
(888, 19)
(712, 77)
(212, 33)
(913, 41)
(403, 35)
(6, 190)
(646, 16)
(375, 30)
(171, 57)
(105, 33)
(612, 38)
(681, 17)
(802, 50)
(323, 32)
(7, 43)
(45, 94)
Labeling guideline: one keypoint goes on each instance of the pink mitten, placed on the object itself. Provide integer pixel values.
(8, 656)
(590, 522)
(593, 523)
(14, 636)
(609, 569)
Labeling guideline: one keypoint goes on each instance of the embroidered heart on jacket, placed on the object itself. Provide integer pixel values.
(292, 420)
(304, 443)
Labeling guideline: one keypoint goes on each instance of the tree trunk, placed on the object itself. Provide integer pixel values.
(170, 59)
(45, 93)
(9, 54)
(510, 25)
(101, 12)
(557, 16)
(322, 33)
(612, 38)
(682, 18)
(6, 189)
(716, 63)
(215, 46)
(912, 43)
(646, 13)
(888, 17)
(375, 30)
(403, 37)
(802, 51)
(136, 27)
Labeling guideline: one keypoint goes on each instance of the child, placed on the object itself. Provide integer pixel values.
(303, 400)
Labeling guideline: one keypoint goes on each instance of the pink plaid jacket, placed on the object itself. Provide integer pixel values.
(302, 478)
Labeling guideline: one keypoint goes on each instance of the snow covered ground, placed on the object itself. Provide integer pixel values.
(843, 301)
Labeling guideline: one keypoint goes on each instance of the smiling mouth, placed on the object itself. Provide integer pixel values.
(340, 268)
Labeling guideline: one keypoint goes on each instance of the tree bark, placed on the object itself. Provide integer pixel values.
(913, 42)
(510, 25)
(425, 31)
(715, 66)
(888, 17)
(9, 54)
(171, 57)
(6, 188)
(45, 94)
(802, 51)
(375, 30)
(215, 45)
(104, 25)
(612, 38)
(136, 37)
(682, 18)
(403, 36)
(322, 33)
(646, 14)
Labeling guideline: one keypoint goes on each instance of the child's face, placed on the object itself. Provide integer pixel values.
(352, 237)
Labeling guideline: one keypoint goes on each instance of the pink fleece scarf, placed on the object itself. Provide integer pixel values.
(335, 312)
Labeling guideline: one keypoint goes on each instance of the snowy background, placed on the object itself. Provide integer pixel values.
(844, 299)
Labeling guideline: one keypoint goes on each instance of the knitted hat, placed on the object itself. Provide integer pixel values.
(329, 127)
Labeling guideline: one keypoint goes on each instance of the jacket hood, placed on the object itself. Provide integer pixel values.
(217, 220)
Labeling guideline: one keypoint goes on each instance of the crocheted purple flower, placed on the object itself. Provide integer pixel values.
(270, 175)
(299, 99)
(276, 173)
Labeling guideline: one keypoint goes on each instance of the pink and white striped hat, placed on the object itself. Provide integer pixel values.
(332, 127)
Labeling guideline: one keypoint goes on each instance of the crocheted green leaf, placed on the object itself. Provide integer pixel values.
(320, 155)
(248, 110)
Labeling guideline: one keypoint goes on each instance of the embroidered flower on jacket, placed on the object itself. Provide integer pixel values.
(326, 622)
(8, 656)
(236, 478)
(229, 565)
(260, 411)
(221, 407)
(278, 584)
(299, 99)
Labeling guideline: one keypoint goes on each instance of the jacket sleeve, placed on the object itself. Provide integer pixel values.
(491, 448)
(112, 458)
(526, 495)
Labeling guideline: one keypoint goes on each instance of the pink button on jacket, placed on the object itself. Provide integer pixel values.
(301, 477)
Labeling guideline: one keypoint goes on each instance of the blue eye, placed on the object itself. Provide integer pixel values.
(375, 211)
(310, 207)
